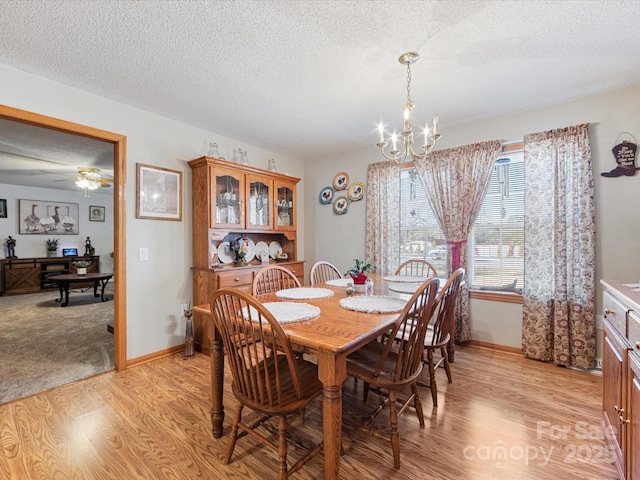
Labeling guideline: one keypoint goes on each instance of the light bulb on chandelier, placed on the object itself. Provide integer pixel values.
(430, 137)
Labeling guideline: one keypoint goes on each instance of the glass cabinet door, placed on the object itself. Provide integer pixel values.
(285, 205)
(259, 194)
(229, 198)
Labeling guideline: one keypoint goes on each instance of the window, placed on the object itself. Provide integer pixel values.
(496, 243)
(420, 234)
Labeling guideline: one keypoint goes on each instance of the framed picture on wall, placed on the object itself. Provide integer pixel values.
(42, 217)
(3, 208)
(96, 214)
(158, 193)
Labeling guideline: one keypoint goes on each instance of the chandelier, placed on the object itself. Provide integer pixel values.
(430, 136)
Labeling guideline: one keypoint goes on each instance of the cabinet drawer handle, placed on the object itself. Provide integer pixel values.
(638, 345)
(623, 421)
(237, 279)
(608, 312)
(617, 409)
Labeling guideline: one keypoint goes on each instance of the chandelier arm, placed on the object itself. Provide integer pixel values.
(398, 157)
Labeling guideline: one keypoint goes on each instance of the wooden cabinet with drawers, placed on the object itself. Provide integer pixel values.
(232, 201)
(31, 275)
(621, 376)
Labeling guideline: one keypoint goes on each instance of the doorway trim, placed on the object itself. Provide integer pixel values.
(119, 222)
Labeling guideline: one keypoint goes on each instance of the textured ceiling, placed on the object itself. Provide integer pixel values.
(310, 79)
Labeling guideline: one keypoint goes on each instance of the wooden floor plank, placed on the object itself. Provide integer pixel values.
(504, 417)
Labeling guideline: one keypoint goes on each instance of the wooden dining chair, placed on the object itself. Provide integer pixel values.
(322, 271)
(274, 278)
(441, 330)
(417, 267)
(389, 365)
(271, 382)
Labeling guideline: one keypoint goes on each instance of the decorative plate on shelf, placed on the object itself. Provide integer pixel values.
(340, 181)
(274, 249)
(326, 195)
(224, 254)
(340, 205)
(251, 249)
(356, 191)
(261, 247)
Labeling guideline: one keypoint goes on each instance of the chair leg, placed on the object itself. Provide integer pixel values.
(447, 366)
(417, 403)
(233, 435)
(395, 437)
(282, 448)
(432, 377)
(365, 392)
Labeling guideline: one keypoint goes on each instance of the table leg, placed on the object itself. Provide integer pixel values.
(61, 292)
(217, 380)
(104, 284)
(66, 294)
(332, 373)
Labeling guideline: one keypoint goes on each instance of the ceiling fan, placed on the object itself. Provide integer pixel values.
(90, 178)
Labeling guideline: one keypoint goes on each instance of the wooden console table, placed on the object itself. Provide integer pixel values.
(63, 282)
(32, 275)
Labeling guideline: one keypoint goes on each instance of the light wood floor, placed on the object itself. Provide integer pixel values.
(504, 417)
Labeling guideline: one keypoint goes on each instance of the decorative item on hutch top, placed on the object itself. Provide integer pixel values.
(158, 193)
(625, 154)
(430, 137)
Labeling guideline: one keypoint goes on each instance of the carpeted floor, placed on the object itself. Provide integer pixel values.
(43, 345)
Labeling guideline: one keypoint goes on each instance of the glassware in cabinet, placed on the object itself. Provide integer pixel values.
(285, 205)
(229, 198)
(259, 195)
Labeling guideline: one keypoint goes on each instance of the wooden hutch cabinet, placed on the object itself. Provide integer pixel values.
(621, 377)
(232, 201)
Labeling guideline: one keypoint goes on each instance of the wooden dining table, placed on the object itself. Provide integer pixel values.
(330, 337)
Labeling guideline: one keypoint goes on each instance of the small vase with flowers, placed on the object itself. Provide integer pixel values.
(359, 274)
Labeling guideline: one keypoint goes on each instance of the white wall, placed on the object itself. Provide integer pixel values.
(101, 233)
(157, 288)
(340, 238)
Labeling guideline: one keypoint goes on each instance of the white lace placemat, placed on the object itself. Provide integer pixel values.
(404, 287)
(405, 278)
(304, 293)
(339, 282)
(286, 312)
(373, 304)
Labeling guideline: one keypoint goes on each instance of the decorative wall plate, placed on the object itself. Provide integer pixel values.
(340, 205)
(326, 195)
(340, 181)
(356, 191)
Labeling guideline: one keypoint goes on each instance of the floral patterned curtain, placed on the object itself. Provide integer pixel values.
(559, 283)
(456, 182)
(382, 247)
